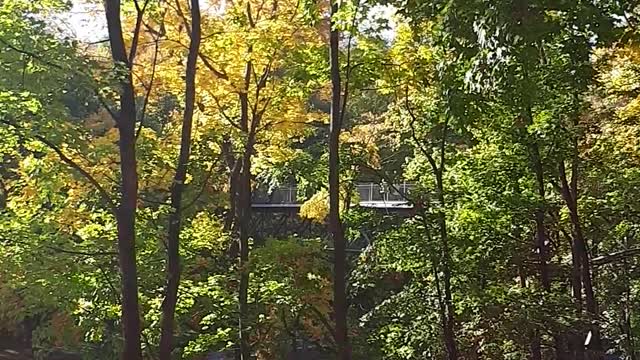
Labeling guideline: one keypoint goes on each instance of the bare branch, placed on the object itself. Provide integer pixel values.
(209, 65)
(180, 13)
(249, 16)
(443, 144)
(325, 322)
(114, 292)
(106, 106)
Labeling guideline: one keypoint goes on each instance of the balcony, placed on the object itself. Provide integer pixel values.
(370, 195)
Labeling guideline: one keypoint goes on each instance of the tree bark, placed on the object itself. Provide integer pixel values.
(449, 328)
(233, 165)
(340, 306)
(541, 236)
(570, 196)
(243, 209)
(576, 344)
(244, 215)
(442, 308)
(177, 189)
(126, 211)
(628, 331)
(536, 347)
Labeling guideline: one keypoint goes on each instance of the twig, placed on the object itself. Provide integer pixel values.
(149, 88)
(204, 185)
(324, 322)
(31, 54)
(114, 292)
(428, 155)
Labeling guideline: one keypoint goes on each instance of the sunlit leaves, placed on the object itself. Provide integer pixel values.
(295, 294)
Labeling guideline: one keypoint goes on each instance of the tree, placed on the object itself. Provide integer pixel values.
(515, 124)
(335, 225)
(125, 213)
(177, 189)
(254, 88)
(430, 116)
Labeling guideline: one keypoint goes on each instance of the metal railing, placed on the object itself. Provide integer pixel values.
(370, 194)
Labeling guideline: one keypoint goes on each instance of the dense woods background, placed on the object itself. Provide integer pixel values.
(133, 158)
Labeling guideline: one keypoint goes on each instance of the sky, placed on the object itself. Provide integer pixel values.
(86, 21)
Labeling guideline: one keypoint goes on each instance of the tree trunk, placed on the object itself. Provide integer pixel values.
(536, 347)
(535, 351)
(570, 195)
(449, 328)
(244, 215)
(177, 189)
(541, 236)
(126, 211)
(233, 165)
(576, 343)
(243, 210)
(628, 331)
(340, 305)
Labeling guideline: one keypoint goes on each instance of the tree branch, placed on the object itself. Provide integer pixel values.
(136, 32)
(204, 185)
(324, 321)
(427, 154)
(31, 54)
(104, 194)
(224, 114)
(208, 65)
(615, 256)
(345, 94)
(149, 88)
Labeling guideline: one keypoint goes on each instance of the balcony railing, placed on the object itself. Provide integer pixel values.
(370, 195)
(377, 193)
